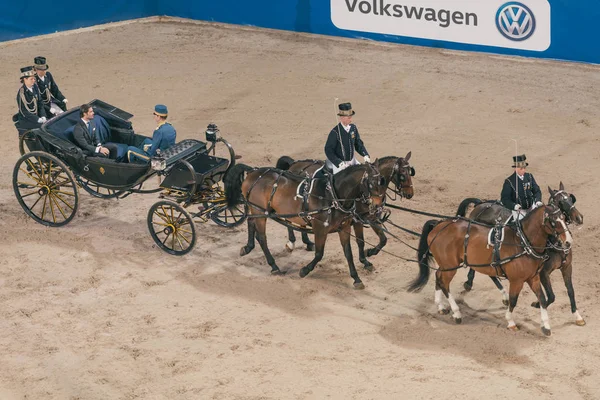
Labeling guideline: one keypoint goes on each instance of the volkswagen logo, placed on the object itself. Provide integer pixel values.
(515, 21)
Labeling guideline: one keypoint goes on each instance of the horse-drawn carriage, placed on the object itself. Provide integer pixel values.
(52, 167)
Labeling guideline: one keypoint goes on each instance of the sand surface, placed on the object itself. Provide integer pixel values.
(93, 310)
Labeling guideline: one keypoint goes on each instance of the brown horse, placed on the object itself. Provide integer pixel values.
(330, 207)
(396, 170)
(455, 243)
(559, 258)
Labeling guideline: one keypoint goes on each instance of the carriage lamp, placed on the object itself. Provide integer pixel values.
(211, 133)
(158, 162)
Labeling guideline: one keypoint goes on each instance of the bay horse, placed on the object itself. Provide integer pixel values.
(456, 243)
(396, 170)
(559, 258)
(330, 206)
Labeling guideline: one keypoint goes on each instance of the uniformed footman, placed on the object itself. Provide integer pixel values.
(31, 114)
(53, 99)
(343, 140)
(520, 190)
(163, 137)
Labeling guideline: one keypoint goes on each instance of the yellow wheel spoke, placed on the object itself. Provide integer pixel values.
(179, 241)
(166, 214)
(43, 175)
(64, 193)
(186, 239)
(34, 204)
(26, 183)
(44, 208)
(28, 194)
(162, 216)
(37, 181)
(160, 223)
(61, 199)
(58, 206)
(40, 180)
(51, 207)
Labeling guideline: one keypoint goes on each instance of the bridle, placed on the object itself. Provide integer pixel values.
(564, 198)
(401, 172)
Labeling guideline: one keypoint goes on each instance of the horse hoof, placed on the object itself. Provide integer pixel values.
(244, 250)
(580, 322)
(359, 285)
(371, 252)
(546, 332)
(310, 247)
(505, 302)
(458, 321)
(369, 267)
(468, 287)
(444, 311)
(303, 272)
(535, 304)
(514, 328)
(289, 246)
(278, 272)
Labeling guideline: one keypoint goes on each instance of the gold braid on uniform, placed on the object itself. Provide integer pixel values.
(47, 94)
(34, 108)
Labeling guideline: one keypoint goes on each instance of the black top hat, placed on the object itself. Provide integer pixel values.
(345, 110)
(520, 161)
(40, 63)
(27, 71)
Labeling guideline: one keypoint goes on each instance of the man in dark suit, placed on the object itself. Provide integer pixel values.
(343, 140)
(520, 190)
(32, 113)
(54, 101)
(85, 134)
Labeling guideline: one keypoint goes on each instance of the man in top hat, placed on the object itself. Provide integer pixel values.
(163, 137)
(520, 191)
(32, 113)
(343, 140)
(53, 99)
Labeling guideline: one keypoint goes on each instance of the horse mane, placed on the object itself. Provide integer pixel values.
(388, 158)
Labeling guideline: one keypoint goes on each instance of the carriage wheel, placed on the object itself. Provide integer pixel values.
(28, 135)
(45, 188)
(96, 190)
(172, 227)
(230, 217)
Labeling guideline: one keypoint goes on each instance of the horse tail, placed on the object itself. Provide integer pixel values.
(423, 255)
(284, 163)
(233, 184)
(462, 208)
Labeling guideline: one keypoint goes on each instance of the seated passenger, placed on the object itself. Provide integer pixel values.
(86, 135)
(163, 138)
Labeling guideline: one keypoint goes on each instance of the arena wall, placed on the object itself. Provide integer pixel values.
(557, 29)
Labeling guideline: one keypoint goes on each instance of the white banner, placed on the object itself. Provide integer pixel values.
(523, 24)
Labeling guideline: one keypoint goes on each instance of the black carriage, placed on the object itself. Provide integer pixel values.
(52, 167)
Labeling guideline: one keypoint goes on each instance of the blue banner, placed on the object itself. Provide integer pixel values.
(556, 29)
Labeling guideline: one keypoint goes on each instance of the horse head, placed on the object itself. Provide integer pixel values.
(566, 203)
(400, 174)
(554, 224)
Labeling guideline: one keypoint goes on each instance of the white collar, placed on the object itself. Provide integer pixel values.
(43, 78)
(347, 128)
(521, 177)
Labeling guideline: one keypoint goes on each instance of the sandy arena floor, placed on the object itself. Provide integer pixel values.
(94, 311)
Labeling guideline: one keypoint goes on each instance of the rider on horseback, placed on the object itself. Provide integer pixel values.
(343, 140)
(520, 191)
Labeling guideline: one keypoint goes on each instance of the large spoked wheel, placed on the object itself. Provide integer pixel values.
(229, 217)
(45, 188)
(96, 190)
(172, 227)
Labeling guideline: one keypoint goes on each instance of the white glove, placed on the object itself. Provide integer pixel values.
(41, 120)
(65, 101)
(539, 204)
(342, 165)
(367, 158)
(53, 111)
(517, 207)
